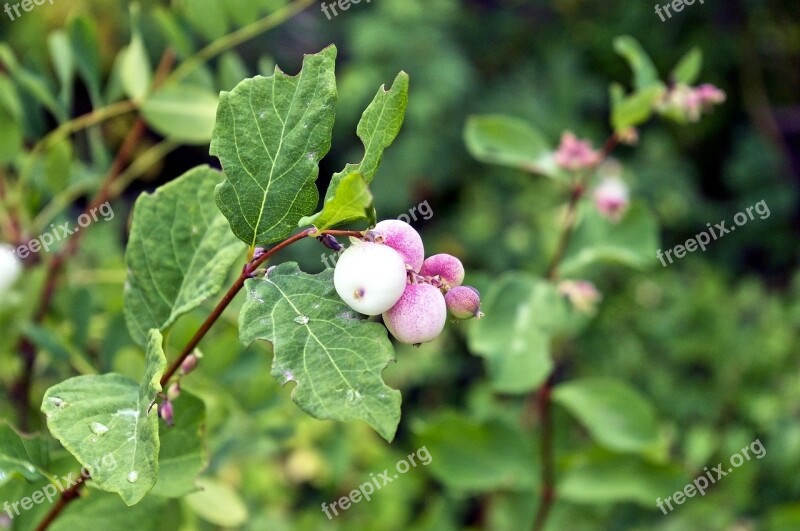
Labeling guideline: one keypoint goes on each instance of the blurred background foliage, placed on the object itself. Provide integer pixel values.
(711, 340)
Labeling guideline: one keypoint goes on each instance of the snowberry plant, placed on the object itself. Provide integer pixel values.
(533, 315)
(187, 236)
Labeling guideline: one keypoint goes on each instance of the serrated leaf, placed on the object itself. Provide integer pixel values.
(270, 135)
(632, 241)
(379, 126)
(616, 415)
(135, 69)
(352, 201)
(180, 252)
(334, 355)
(183, 454)
(522, 313)
(182, 112)
(95, 417)
(508, 141)
(477, 456)
(23, 455)
(688, 68)
(644, 71)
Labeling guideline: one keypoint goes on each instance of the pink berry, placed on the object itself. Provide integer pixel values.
(611, 198)
(446, 266)
(402, 238)
(419, 316)
(464, 302)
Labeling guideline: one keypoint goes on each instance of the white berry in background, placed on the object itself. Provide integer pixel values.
(611, 198)
(446, 266)
(370, 277)
(10, 267)
(402, 238)
(464, 302)
(419, 316)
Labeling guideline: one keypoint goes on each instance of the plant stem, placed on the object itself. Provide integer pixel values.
(546, 455)
(543, 402)
(247, 272)
(237, 37)
(20, 390)
(66, 497)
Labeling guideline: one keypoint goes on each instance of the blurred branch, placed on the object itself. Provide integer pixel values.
(237, 37)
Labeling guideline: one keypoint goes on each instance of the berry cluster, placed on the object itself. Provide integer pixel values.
(387, 274)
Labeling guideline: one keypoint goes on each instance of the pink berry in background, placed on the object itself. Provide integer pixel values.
(464, 302)
(446, 266)
(611, 198)
(574, 154)
(582, 294)
(402, 238)
(419, 316)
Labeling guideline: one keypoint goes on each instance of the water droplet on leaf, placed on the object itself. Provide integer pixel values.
(133, 476)
(98, 429)
(301, 319)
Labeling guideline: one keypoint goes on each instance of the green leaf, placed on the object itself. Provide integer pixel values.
(86, 51)
(627, 111)
(209, 17)
(510, 142)
(616, 415)
(632, 241)
(182, 112)
(21, 455)
(522, 313)
(270, 135)
(644, 72)
(352, 201)
(135, 67)
(95, 417)
(110, 513)
(218, 504)
(334, 355)
(10, 138)
(64, 64)
(183, 454)
(230, 71)
(379, 126)
(688, 68)
(602, 477)
(477, 456)
(179, 254)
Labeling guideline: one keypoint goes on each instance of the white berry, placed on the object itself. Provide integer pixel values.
(370, 277)
(10, 267)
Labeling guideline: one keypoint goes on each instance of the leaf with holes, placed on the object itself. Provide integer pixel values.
(180, 252)
(108, 419)
(335, 356)
(270, 135)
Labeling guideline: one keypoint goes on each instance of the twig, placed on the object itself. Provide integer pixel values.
(247, 272)
(542, 398)
(66, 497)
